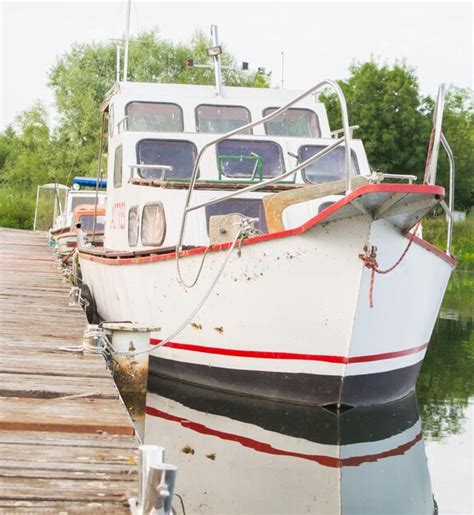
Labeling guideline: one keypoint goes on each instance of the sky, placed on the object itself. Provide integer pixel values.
(319, 39)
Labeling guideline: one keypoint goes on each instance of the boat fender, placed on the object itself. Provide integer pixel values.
(89, 305)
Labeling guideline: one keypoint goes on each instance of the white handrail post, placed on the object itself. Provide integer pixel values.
(452, 174)
(36, 209)
(438, 123)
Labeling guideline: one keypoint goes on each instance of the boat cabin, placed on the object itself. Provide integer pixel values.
(155, 132)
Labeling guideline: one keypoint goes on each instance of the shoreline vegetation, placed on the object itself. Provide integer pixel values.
(435, 231)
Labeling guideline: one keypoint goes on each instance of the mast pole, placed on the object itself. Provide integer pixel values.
(127, 37)
(217, 60)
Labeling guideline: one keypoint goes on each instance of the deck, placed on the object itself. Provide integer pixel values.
(67, 443)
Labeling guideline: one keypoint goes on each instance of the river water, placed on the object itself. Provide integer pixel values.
(237, 455)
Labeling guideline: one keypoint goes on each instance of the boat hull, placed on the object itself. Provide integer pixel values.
(289, 318)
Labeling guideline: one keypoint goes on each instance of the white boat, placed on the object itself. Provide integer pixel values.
(63, 225)
(256, 456)
(288, 234)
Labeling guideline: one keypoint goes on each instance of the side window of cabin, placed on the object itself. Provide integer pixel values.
(302, 123)
(87, 223)
(166, 159)
(118, 167)
(252, 208)
(133, 226)
(220, 119)
(251, 160)
(153, 224)
(328, 168)
(154, 116)
(111, 120)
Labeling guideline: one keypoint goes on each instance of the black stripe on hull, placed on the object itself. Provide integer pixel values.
(310, 389)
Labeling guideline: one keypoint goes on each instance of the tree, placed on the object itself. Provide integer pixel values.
(385, 102)
(82, 77)
(458, 127)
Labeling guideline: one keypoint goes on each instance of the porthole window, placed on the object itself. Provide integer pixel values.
(118, 167)
(133, 226)
(153, 224)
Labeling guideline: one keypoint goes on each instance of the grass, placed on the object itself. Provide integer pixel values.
(435, 231)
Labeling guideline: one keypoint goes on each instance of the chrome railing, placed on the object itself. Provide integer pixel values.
(346, 139)
(432, 165)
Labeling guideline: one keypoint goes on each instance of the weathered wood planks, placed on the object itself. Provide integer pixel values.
(67, 443)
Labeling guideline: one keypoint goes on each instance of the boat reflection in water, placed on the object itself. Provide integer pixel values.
(243, 455)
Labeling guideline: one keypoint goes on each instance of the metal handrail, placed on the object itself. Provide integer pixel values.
(437, 124)
(452, 173)
(346, 139)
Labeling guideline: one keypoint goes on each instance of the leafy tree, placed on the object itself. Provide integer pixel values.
(458, 127)
(82, 77)
(385, 102)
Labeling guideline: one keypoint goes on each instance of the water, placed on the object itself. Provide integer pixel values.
(239, 456)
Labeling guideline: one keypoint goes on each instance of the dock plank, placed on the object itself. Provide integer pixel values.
(67, 443)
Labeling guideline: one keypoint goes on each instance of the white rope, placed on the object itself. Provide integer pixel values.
(195, 310)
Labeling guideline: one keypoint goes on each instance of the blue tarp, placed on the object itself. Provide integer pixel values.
(89, 182)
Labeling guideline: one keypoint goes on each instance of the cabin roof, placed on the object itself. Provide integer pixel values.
(272, 97)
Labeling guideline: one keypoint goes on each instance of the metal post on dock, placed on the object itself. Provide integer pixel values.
(156, 483)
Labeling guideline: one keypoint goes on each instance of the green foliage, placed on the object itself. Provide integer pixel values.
(32, 154)
(395, 123)
(17, 207)
(446, 382)
(435, 231)
(386, 105)
(458, 127)
(81, 78)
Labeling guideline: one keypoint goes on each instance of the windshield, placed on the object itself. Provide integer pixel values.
(176, 155)
(221, 119)
(296, 122)
(249, 159)
(154, 116)
(87, 223)
(328, 168)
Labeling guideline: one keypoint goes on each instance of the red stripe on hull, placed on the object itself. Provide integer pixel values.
(290, 355)
(327, 461)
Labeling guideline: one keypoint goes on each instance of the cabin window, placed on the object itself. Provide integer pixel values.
(166, 159)
(87, 223)
(153, 224)
(252, 208)
(154, 116)
(133, 226)
(252, 160)
(118, 167)
(111, 120)
(328, 168)
(77, 201)
(221, 119)
(302, 123)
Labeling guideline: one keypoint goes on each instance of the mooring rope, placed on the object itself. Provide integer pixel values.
(370, 261)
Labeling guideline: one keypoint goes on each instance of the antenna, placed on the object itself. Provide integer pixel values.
(117, 64)
(282, 68)
(215, 52)
(127, 37)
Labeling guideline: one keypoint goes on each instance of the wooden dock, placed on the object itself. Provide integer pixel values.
(67, 443)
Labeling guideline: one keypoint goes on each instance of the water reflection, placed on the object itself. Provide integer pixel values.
(243, 455)
(446, 382)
